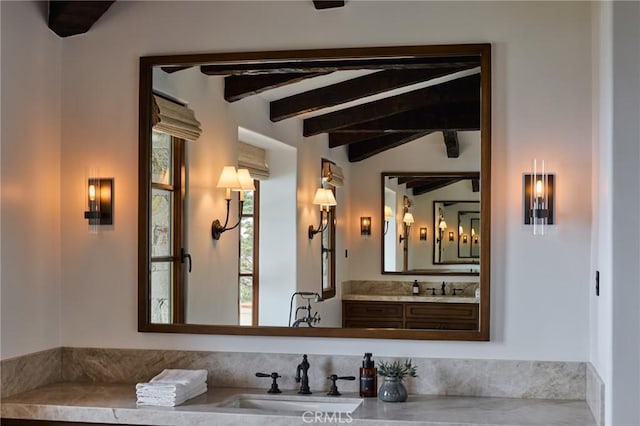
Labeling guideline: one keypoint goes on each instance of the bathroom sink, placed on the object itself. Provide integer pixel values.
(293, 403)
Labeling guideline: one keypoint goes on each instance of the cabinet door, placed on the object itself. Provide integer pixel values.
(442, 316)
(357, 314)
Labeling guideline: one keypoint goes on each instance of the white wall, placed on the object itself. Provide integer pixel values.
(541, 101)
(31, 64)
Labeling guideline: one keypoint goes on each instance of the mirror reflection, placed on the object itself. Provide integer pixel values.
(239, 250)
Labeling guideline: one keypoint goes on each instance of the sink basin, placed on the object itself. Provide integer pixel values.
(293, 403)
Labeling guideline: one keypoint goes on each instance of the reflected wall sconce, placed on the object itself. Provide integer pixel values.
(441, 227)
(388, 214)
(99, 201)
(475, 239)
(451, 236)
(465, 239)
(423, 234)
(407, 221)
(365, 225)
(232, 181)
(325, 199)
(539, 198)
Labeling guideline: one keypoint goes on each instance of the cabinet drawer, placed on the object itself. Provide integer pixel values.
(442, 325)
(373, 310)
(442, 311)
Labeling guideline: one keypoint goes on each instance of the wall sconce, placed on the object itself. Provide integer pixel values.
(99, 201)
(539, 198)
(451, 236)
(475, 239)
(423, 234)
(465, 238)
(407, 221)
(441, 226)
(236, 181)
(365, 225)
(388, 214)
(325, 199)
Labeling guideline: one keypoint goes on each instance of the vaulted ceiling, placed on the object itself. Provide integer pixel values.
(380, 105)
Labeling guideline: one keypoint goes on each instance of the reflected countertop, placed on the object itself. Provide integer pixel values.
(416, 299)
(116, 404)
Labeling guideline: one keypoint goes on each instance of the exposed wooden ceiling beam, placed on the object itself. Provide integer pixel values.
(331, 65)
(173, 68)
(462, 90)
(327, 4)
(433, 185)
(475, 185)
(350, 90)
(432, 119)
(67, 18)
(451, 142)
(237, 87)
(362, 150)
(340, 139)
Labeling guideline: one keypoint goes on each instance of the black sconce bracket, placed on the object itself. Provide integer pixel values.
(101, 208)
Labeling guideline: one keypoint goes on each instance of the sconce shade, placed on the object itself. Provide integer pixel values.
(423, 234)
(443, 225)
(388, 213)
(365, 225)
(99, 201)
(539, 198)
(408, 219)
(245, 180)
(324, 198)
(229, 179)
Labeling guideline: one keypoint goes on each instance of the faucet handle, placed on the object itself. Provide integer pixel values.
(334, 389)
(457, 289)
(433, 290)
(274, 386)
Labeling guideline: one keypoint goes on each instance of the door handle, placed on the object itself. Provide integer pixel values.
(184, 255)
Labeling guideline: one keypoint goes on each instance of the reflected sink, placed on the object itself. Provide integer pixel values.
(293, 403)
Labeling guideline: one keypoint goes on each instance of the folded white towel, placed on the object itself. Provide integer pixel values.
(172, 387)
(184, 377)
(172, 400)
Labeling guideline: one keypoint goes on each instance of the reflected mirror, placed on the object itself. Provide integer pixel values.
(222, 257)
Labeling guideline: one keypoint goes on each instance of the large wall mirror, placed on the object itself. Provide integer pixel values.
(235, 253)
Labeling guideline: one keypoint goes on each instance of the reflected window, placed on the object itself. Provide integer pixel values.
(167, 165)
(248, 259)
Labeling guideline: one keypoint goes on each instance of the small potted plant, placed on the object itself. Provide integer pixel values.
(392, 389)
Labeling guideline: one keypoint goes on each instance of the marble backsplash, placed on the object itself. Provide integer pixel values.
(461, 377)
(31, 371)
(404, 288)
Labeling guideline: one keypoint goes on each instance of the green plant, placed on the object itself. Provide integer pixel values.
(397, 369)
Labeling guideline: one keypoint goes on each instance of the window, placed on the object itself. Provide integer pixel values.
(248, 259)
(167, 198)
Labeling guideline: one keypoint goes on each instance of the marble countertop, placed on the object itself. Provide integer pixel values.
(116, 404)
(417, 299)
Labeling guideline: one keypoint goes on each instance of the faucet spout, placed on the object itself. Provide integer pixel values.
(304, 378)
(444, 287)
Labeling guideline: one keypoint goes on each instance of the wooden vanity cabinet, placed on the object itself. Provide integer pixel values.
(410, 315)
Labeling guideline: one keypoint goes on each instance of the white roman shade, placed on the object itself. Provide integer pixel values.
(174, 119)
(332, 174)
(253, 158)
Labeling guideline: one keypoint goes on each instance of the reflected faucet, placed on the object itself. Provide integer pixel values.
(309, 319)
(444, 287)
(304, 379)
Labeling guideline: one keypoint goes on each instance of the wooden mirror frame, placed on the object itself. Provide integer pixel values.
(301, 57)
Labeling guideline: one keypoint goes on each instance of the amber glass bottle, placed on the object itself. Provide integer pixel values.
(368, 377)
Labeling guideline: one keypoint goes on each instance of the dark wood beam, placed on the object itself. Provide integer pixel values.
(432, 119)
(327, 4)
(362, 150)
(339, 139)
(451, 142)
(350, 90)
(433, 185)
(475, 185)
(238, 87)
(331, 65)
(172, 69)
(67, 18)
(462, 90)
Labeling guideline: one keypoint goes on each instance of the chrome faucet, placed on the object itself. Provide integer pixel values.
(444, 287)
(304, 379)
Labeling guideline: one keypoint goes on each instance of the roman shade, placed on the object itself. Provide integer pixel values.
(332, 174)
(174, 119)
(253, 158)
